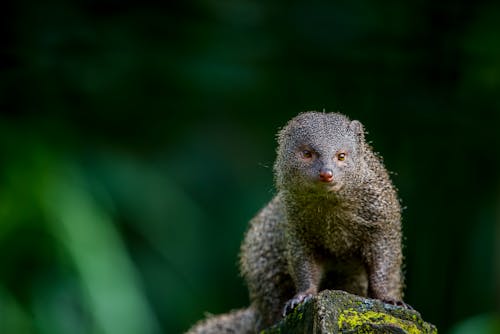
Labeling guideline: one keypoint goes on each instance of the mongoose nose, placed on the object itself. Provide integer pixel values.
(326, 175)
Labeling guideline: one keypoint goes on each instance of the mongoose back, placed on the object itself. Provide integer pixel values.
(333, 224)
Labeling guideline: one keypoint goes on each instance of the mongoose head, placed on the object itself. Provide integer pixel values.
(319, 152)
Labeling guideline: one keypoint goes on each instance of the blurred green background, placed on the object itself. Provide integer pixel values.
(137, 140)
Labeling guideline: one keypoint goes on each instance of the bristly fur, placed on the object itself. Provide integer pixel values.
(344, 234)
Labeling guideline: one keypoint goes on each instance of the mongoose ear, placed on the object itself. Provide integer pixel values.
(357, 128)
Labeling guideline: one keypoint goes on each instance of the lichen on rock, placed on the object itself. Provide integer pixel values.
(341, 312)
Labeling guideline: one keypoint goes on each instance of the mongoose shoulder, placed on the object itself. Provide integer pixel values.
(334, 222)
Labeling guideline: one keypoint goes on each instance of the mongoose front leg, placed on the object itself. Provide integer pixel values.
(384, 273)
(306, 273)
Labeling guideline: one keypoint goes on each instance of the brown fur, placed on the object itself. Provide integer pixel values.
(344, 234)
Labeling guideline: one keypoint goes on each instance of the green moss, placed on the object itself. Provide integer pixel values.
(351, 319)
(340, 312)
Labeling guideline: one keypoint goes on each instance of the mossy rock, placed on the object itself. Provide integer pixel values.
(340, 312)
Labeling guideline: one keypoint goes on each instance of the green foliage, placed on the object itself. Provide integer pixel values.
(136, 140)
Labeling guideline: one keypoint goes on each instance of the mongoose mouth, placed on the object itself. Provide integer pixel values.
(329, 187)
(334, 187)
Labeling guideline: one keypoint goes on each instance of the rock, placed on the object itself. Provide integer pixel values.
(340, 312)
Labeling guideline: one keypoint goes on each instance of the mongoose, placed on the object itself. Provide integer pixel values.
(334, 223)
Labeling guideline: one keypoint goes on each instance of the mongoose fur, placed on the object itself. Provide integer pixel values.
(334, 223)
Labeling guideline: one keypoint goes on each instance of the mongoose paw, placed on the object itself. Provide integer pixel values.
(399, 303)
(295, 301)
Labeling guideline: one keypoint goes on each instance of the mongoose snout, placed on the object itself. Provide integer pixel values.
(326, 175)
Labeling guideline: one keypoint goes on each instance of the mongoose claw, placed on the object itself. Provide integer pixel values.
(399, 303)
(295, 301)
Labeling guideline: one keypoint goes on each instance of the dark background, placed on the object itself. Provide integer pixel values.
(137, 140)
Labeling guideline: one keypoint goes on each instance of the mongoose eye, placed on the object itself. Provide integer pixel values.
(306, 155)
(341, 156)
